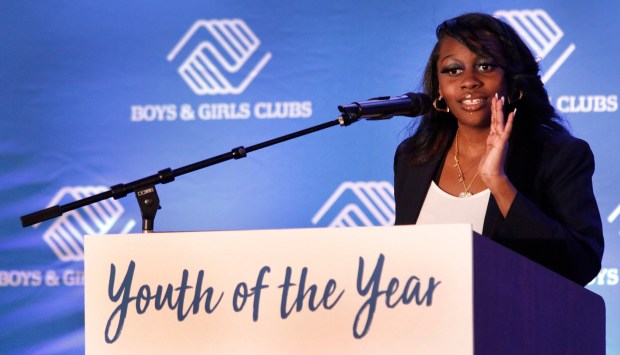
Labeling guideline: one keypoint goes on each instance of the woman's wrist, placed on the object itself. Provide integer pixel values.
(503, 191)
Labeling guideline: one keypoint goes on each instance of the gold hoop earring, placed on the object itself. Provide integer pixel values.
(518, 99)
(447, 109)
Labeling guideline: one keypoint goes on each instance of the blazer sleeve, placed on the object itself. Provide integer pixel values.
(562, 229)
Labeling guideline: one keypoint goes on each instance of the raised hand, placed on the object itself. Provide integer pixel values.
(491, 168)
(492, 162)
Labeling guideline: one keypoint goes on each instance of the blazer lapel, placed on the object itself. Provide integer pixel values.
(412, 184)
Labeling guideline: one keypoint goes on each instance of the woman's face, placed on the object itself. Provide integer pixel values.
(468, 82)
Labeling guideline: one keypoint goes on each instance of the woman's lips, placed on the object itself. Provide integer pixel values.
(472, 104)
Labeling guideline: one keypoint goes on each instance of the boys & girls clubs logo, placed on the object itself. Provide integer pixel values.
(220, 57)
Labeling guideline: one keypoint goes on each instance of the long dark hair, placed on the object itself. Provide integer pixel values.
(434, 131)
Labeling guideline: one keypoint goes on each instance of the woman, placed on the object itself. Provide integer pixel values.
(495, 140)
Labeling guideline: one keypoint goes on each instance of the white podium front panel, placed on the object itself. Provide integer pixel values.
(363, 290)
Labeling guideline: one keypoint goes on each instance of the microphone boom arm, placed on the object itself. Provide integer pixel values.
(165, 176)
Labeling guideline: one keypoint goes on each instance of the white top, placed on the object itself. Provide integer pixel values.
(440, 207)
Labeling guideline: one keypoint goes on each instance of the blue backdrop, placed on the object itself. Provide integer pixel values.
(98, 93)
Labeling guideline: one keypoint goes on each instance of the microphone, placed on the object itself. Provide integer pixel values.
(380, 108)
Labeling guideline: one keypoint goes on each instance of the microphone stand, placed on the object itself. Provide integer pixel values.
(144, 188)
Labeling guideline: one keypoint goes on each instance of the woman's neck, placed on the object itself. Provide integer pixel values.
(472, 142)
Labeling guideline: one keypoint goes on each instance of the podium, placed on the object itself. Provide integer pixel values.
(432, 289)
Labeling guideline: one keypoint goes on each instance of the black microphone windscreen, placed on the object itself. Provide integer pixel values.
(421, 103)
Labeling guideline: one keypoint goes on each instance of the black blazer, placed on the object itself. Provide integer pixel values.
(554, 219)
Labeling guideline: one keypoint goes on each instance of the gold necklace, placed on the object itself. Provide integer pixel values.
(461, 177)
